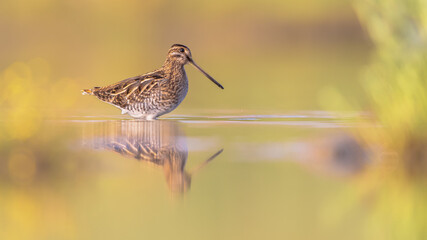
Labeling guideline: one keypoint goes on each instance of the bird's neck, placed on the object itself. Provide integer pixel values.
(172, 66)
(173, 69)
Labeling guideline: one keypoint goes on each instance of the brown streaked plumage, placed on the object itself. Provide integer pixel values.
(152, 94)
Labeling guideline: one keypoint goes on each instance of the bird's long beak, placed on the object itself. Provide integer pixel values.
(205, 73)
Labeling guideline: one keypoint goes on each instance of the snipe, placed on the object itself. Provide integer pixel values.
(152, 94)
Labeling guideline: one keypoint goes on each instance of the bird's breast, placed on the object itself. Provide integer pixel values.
(178, 87)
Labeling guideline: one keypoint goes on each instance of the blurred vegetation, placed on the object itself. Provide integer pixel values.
(27, 91)
(396, 79)
(395, 83)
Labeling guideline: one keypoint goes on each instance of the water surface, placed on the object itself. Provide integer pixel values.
(197, 177)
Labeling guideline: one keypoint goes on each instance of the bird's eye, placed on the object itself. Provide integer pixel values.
(181, 50)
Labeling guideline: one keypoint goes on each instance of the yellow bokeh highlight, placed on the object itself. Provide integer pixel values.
(22, 215)
(28, 92)
(22, 123)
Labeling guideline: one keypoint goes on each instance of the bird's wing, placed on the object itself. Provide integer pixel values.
(144, 152)
(134, 89)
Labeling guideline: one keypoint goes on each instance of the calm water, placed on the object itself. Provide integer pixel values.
(298, 176)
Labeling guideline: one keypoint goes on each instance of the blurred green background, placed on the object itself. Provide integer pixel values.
(289, 168)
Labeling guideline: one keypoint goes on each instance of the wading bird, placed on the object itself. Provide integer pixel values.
(155, 93)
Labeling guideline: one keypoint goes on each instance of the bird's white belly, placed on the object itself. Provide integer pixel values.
(155, 106)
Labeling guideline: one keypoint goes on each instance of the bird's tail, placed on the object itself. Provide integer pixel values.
(87, 92)
(90, 91)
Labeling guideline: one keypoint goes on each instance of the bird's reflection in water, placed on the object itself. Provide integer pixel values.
(161, 143)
